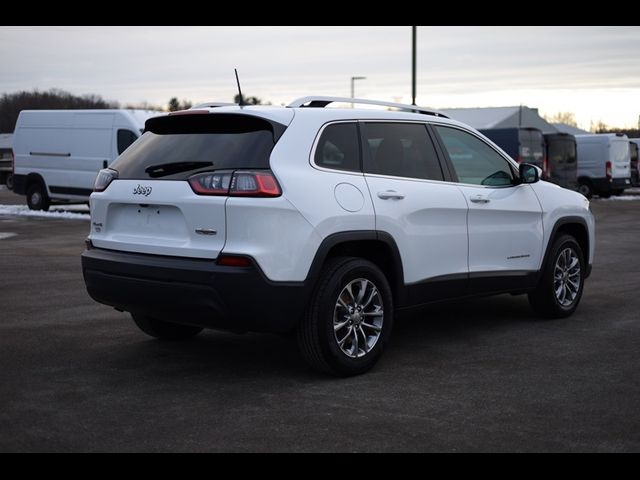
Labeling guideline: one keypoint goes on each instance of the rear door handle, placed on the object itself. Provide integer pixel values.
(480, 199)
(390, 195)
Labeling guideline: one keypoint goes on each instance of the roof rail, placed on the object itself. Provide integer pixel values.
(322, 102)
(213, 105)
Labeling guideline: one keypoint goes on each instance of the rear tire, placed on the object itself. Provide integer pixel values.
(170, 332)
(617, 193)
(9, 181)
(37, 197)
(585, 189)
(349, 318)
(560, 288)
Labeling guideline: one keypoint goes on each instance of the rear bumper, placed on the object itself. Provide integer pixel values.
(193, 291)
(603, 185)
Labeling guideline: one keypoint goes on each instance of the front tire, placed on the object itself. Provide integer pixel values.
(37, 197)
(170, 332)
(560, 289)
(349, 319)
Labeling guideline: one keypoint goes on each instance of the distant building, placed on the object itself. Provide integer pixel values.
(501, 117)
(564, 128)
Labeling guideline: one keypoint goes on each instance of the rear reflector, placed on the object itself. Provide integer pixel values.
(229, 261)
(236, 184)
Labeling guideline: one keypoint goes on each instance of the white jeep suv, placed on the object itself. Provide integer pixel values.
(325, 221)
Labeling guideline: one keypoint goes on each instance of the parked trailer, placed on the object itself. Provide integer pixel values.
(634, 143)
(561, 160)
(58, 153)
(524, 145)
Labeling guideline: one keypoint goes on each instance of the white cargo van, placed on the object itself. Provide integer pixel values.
(604, 164)
(58, 153)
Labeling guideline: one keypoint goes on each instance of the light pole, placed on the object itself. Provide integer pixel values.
(414, 64)
(353, 86)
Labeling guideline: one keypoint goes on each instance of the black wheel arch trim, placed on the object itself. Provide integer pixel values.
(336, 239)
(35, 178)
(554, 232)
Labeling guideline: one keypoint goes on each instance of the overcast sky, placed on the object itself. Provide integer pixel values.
(591, 71)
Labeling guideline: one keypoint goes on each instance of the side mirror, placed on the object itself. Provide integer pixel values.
(529, 173)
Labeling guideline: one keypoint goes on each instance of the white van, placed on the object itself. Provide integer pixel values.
(58, 153)
(604, 164)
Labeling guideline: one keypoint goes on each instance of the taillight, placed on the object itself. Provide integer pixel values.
(609, 171)
(104, 179)
(212, 183)
(236, 184)
(546, 169)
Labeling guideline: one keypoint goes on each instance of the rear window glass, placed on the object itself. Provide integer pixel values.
(177, 147)
(532, 147)
(561, 150)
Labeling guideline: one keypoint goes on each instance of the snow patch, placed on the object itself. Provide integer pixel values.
(56, 212)
(3, 187)
(5, 235)
(624, 198)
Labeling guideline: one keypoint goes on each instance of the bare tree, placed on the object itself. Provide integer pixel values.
(247, 100)
(568, 118)
(174, 104)
(11, 104)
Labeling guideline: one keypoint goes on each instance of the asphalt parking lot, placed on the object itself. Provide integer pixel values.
(482, 375)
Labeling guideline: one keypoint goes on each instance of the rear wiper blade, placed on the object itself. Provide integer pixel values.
(166, 169)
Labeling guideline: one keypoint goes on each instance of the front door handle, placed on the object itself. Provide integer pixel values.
(390, 195)
(480, 199)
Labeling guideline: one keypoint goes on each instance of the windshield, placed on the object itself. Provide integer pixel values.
(174, 148)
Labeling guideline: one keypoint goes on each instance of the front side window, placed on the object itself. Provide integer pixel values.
(401, 150)
(475, 162)
(339, 148)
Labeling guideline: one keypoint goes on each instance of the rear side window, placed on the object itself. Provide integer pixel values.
(339, 148)
(401, 150)
(176, 147)
(125, 139)
(475, 162)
